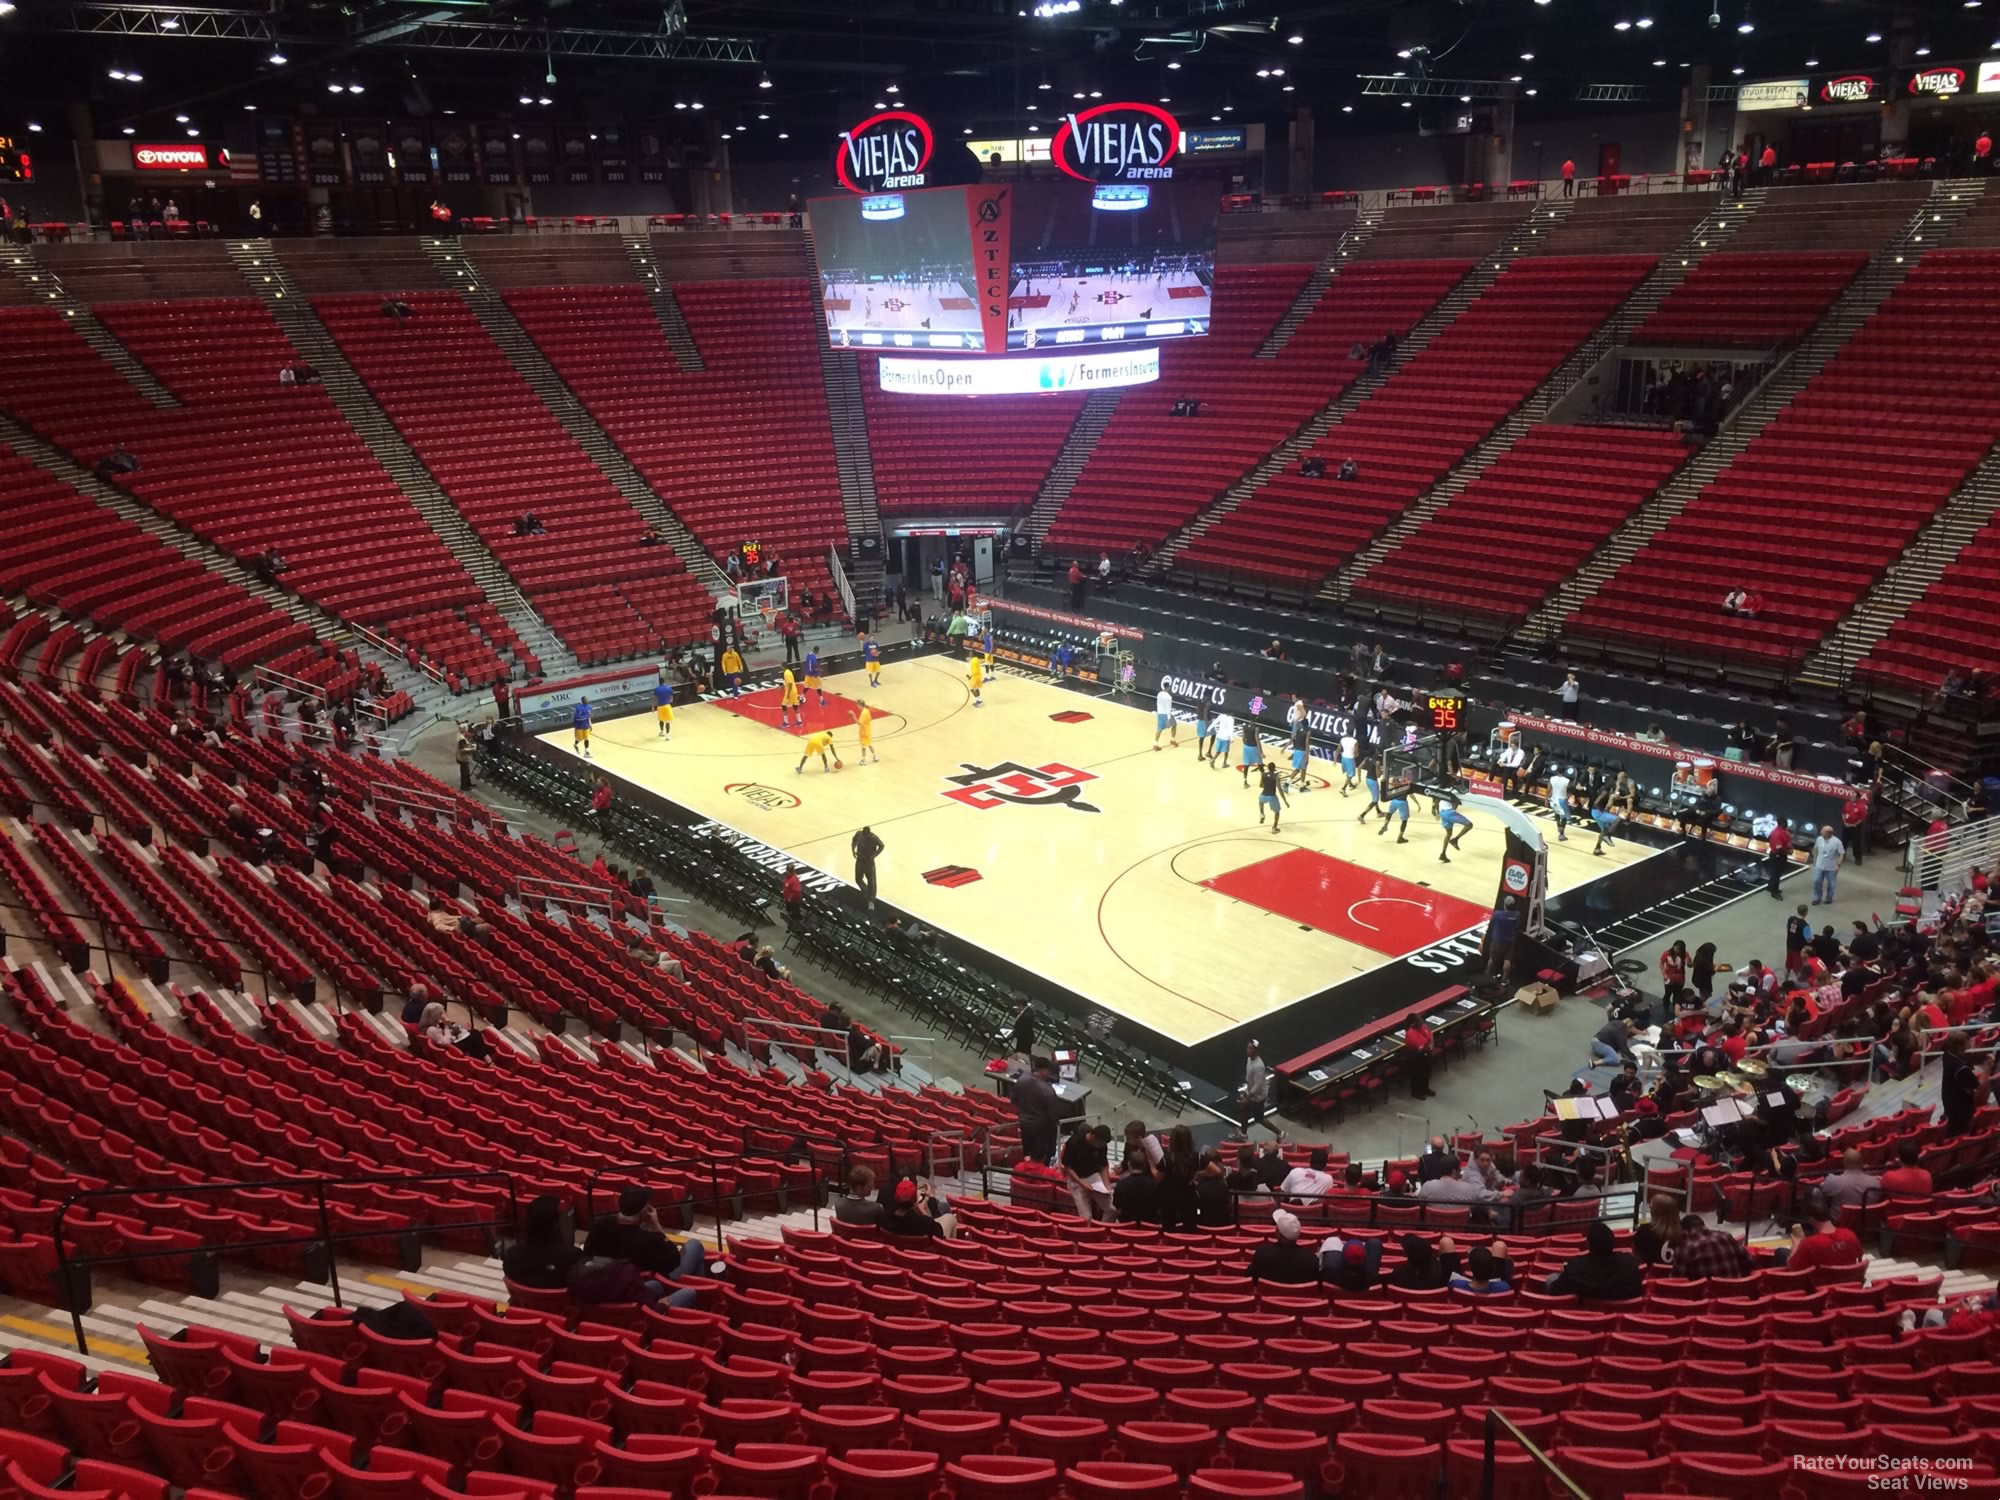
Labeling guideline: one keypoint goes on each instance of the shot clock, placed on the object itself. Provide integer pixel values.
(1447, 711)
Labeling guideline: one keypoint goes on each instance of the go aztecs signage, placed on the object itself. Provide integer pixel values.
(1117, 143)
(885, 151)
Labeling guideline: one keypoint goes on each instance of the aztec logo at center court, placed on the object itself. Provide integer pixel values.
(1052, 785)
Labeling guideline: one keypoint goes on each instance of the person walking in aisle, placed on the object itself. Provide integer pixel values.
(1777, 858)
(866, 845)
(1417, 1043)
(1828, 854)
(1256, 1086)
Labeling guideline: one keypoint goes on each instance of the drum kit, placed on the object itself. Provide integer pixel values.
(1741, 1081)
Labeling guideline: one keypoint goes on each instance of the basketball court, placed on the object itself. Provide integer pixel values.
(900, 306)
(1044, 828)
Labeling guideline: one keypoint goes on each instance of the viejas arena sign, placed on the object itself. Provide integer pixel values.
(1117, 143)
(889, 150)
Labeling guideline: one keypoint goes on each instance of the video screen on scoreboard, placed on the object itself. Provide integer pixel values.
(1111, 262)
(895, 270)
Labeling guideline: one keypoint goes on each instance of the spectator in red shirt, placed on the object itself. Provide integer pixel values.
(793, 892)
(1767, 164)
(1736, 1042)
(1569, 179)
(1854, 819)
(1982, 152)
(1076, 585)
(1779, 859)
(1819, 1243)
(1907, 1179)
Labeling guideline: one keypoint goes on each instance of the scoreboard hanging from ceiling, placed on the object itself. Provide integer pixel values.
(16, 165)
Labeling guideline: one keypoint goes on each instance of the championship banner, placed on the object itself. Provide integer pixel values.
(496, 155)
(455, 152)
(980, 602)
(611, 163)
(413, 153)
(989, 207)
(574, 143)
(538, 154)
(1825, 786)
(326, 162)
(368, 143)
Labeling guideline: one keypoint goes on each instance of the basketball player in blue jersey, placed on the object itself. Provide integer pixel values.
(1301, 754)
(1202, 729)
(580, 728)
(1455, 824)
(1371, 782)
(1398, 806)
(1253, 752)
(812, 677)
(663, 708)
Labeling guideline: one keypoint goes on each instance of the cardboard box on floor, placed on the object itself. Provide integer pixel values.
(1538, 997)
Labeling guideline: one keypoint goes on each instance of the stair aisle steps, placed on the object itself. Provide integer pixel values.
(1091, 419)
(1974, 504)
(848, 414)
(47, 288)
(1855, 305)
(533, 366)
(293, 311)
(1671, 270)
(1711, 234)
(666, 306)
(1439, 318)
(1316, 285)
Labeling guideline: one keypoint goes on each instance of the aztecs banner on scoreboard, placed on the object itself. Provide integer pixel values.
(989, 208)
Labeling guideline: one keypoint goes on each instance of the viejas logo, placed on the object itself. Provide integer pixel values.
(169, 158)
(1117, 143)
(1942, 82)
(889, 150)
(1855, 88)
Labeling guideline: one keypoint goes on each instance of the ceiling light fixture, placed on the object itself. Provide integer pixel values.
(1737, 72)
(1290, 87)
(895, 88)
(1406, 104)
(253, 107)
(169, 23)
(1045, 85)
(1078, 94)
(1465, 98)
(192, 134)
(1515, 78)
(1531, 92)
(966, 131)
(1812, 62)
(784, 135)
(180, 119)
(1527, 57)
(34, 127)
(1347, 109)
(1659, 62)
(1873, 36)
(1174, 66)
(1923, 49)
(545, 99)
(762, 116)
(1644, 23)
(763, 80)
(1621, 25)
(276, 59)
(1404, 54)
(692, 104)
(1295, 40)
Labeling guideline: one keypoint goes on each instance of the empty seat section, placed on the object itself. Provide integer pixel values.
(740, 449)
(1152, 473)
(1526, 523)
(551, 260)
(382, 266)
(157, 270)
(1460, 231)
(1862, 216)
(947, 455)
(1293, 531)
(1754, 300)
(1950, 628)
(69, 551)
(1620, 225)
(245, 463)
(498, 453)
(1833, 490)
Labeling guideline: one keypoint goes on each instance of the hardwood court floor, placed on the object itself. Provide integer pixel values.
(1044, 828)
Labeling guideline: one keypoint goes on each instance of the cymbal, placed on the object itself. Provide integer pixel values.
(1752, 1067)
(1707, 1081)
(1736, 1083)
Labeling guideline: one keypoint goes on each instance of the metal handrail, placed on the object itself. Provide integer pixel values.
(1489, 1475)
(65, 1262)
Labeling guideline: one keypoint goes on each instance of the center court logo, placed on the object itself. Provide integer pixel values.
(769, 798)
(1052, 785)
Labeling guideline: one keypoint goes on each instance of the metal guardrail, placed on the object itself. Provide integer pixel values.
(75, 1293)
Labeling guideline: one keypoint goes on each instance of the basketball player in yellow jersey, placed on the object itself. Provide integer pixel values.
(975, 673)
(820, 743)
(864, 724)
(788, 699)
